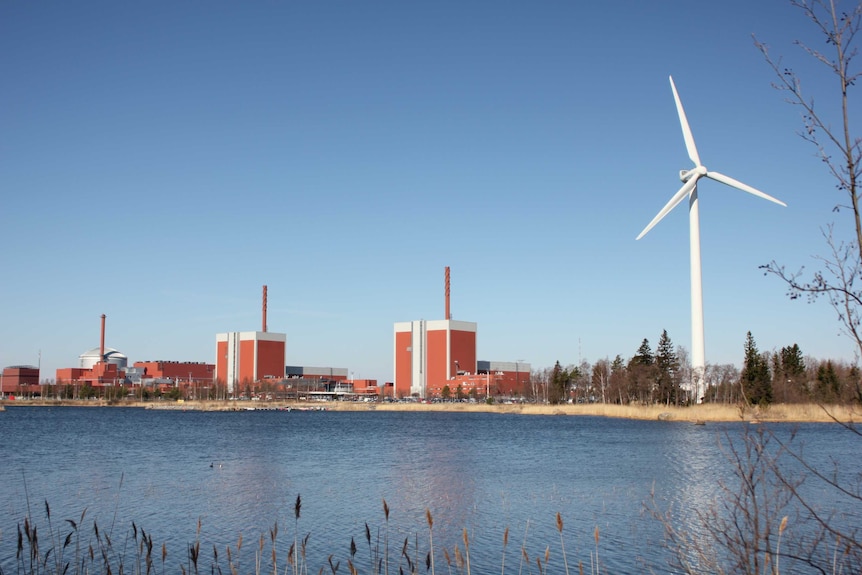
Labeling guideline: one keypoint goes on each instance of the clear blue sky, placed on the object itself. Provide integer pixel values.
(161, 161)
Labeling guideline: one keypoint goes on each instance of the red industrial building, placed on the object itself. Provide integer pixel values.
(492, 378)
(191, 372)
(19, 380)
(246, 357)
(429, 354)
(370, 388)
(433, 355)
(99, 366)
(104, 366)
(329, 383)
(100, 374)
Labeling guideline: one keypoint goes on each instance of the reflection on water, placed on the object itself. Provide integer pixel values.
(439, 478)
(240, 473)
(696, 462)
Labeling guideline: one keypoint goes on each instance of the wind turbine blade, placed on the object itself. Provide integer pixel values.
(686, 130)
(684, 191)
(740, 186)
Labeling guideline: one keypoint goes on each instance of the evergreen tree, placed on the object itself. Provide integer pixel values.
(617, 392)
(559, 383)
(755, 379)
(828, 384)
(641, 372)
(644, 354)
(667, 370)
(789, 372)
(792, 362)
(572, 377)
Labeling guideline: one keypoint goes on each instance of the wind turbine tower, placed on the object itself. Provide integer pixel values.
(689, 189)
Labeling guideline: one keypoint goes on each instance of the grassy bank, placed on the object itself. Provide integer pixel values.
(697, 413)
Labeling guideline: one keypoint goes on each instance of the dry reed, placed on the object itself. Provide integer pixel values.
(104, 556)
(708, 412)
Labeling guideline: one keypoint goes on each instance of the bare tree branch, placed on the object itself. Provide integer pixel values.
(840, 30)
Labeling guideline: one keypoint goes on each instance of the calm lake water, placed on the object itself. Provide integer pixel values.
(240, 473)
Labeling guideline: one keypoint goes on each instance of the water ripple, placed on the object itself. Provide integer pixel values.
(239, 474)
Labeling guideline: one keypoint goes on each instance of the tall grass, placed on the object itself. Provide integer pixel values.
(80, 547)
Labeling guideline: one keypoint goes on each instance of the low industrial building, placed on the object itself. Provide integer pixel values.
(176, 371)
(19, 380)
(98, 366)
(101, 373)
(324, 389)
(327, 373)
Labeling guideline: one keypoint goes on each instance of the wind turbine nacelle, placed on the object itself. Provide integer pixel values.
(685, 175)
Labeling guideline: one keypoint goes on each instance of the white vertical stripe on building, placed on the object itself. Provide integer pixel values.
(418, 358)
(232, 361)
(254, 373)
(449, 359)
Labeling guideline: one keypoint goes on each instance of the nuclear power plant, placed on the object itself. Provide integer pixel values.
(248, 356)
(437, 358)
(431, 358)
(430, 354)
(98, 366)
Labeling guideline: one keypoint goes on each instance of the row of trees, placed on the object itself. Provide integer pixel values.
(107, 392)
(664, 376)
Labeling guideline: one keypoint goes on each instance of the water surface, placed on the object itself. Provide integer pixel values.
(240, 473)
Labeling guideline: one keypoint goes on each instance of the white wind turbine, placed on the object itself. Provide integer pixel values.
(689, 188)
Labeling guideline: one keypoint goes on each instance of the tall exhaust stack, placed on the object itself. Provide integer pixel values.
(102, 341)
(448, 315)
(264, 308)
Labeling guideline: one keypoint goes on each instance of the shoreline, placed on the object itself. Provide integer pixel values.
(799, 413)
(791, 413)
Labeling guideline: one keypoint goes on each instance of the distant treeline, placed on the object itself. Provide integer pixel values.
(665, 376)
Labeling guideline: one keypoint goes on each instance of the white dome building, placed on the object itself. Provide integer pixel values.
(90, 358)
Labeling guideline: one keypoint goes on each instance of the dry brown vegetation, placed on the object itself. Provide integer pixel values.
(695, 413)
(708, 412)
